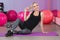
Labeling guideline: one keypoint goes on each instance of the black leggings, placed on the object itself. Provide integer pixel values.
(21, 24)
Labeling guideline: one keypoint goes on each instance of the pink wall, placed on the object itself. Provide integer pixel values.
(54, 4)
(19, 5)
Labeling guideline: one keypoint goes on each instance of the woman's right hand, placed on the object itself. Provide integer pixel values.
(26, 9)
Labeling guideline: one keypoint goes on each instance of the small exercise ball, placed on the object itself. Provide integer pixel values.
(3, 19)
(21, 15)
(48, 16)
(11, 15)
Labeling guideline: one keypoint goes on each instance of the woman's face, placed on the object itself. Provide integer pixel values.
(35, 7)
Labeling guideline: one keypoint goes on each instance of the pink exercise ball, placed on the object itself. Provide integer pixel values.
(55, 12)
(21, 15)
(11, 15)
(48, 16)
(58, 14)
(3, 19)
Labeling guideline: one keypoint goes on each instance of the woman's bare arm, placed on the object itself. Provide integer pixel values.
(41, 22)
(25, 14)
(26, 17)
(30, 11)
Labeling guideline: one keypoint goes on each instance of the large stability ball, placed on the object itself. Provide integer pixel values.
(48, 16)
(11, 15)
(3, 19)
(21, 15)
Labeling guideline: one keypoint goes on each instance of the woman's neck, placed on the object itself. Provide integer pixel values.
(36, 11)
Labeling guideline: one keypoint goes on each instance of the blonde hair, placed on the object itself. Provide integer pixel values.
(34, 2)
